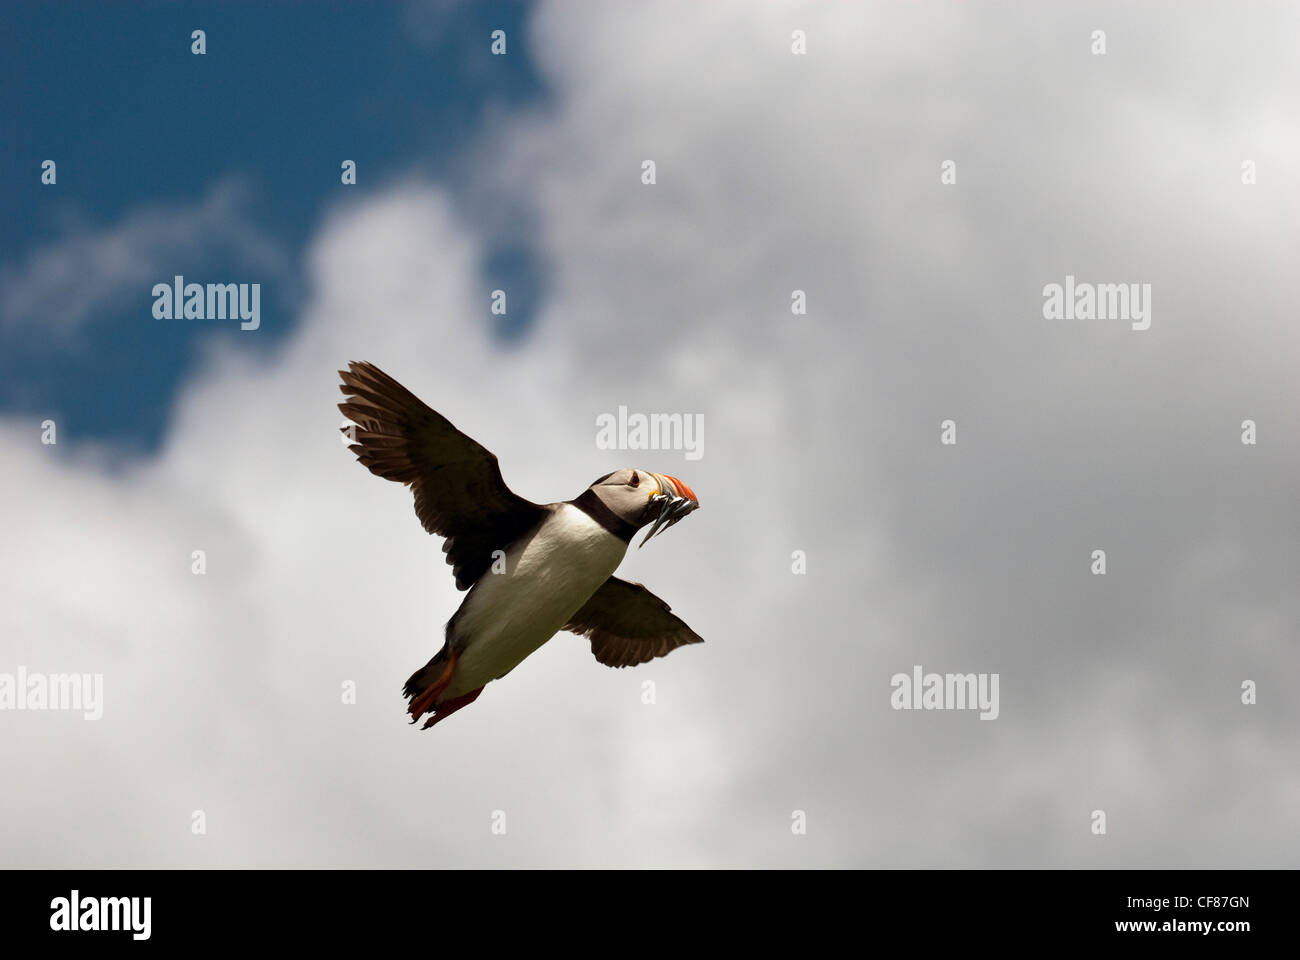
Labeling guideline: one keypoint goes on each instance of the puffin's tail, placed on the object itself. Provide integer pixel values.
(427, 684)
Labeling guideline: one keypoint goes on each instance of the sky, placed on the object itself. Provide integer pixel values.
(921, 172)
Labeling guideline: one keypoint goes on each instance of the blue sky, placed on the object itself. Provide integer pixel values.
(777, 171)
(284, 94)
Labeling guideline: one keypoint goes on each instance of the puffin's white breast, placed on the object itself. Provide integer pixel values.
(548, 577)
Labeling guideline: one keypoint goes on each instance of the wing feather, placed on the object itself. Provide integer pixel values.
(628, 625)
(457, 483)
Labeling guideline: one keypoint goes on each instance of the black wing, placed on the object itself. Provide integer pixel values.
(628, 625)
(459, 493)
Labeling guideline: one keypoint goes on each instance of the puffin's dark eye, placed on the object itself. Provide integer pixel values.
(635, 481)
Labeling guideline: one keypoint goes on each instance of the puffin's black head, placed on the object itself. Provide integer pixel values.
(640, 497)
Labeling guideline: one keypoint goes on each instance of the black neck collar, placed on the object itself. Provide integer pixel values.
(594, 507)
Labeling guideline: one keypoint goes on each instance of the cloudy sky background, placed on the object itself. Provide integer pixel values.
(775, 172)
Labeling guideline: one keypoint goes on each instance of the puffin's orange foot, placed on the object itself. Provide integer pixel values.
(445, 710)
(424, 702)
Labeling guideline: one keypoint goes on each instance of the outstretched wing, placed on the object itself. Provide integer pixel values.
(628, 625)
(459, 493)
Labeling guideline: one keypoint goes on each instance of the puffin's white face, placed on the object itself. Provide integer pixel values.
(640, 497)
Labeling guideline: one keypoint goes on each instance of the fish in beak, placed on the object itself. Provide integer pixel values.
(673, 501)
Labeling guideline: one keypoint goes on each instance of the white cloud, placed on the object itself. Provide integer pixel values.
(62, 285)
(775, 172)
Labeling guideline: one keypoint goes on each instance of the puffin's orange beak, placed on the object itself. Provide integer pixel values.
(676, 486)
(673, 501)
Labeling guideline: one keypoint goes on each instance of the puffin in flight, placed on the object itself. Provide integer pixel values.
(532, 570)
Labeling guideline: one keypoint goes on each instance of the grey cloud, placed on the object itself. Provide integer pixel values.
(776, 172)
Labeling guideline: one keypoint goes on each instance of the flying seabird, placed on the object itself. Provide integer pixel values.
(531, 569)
